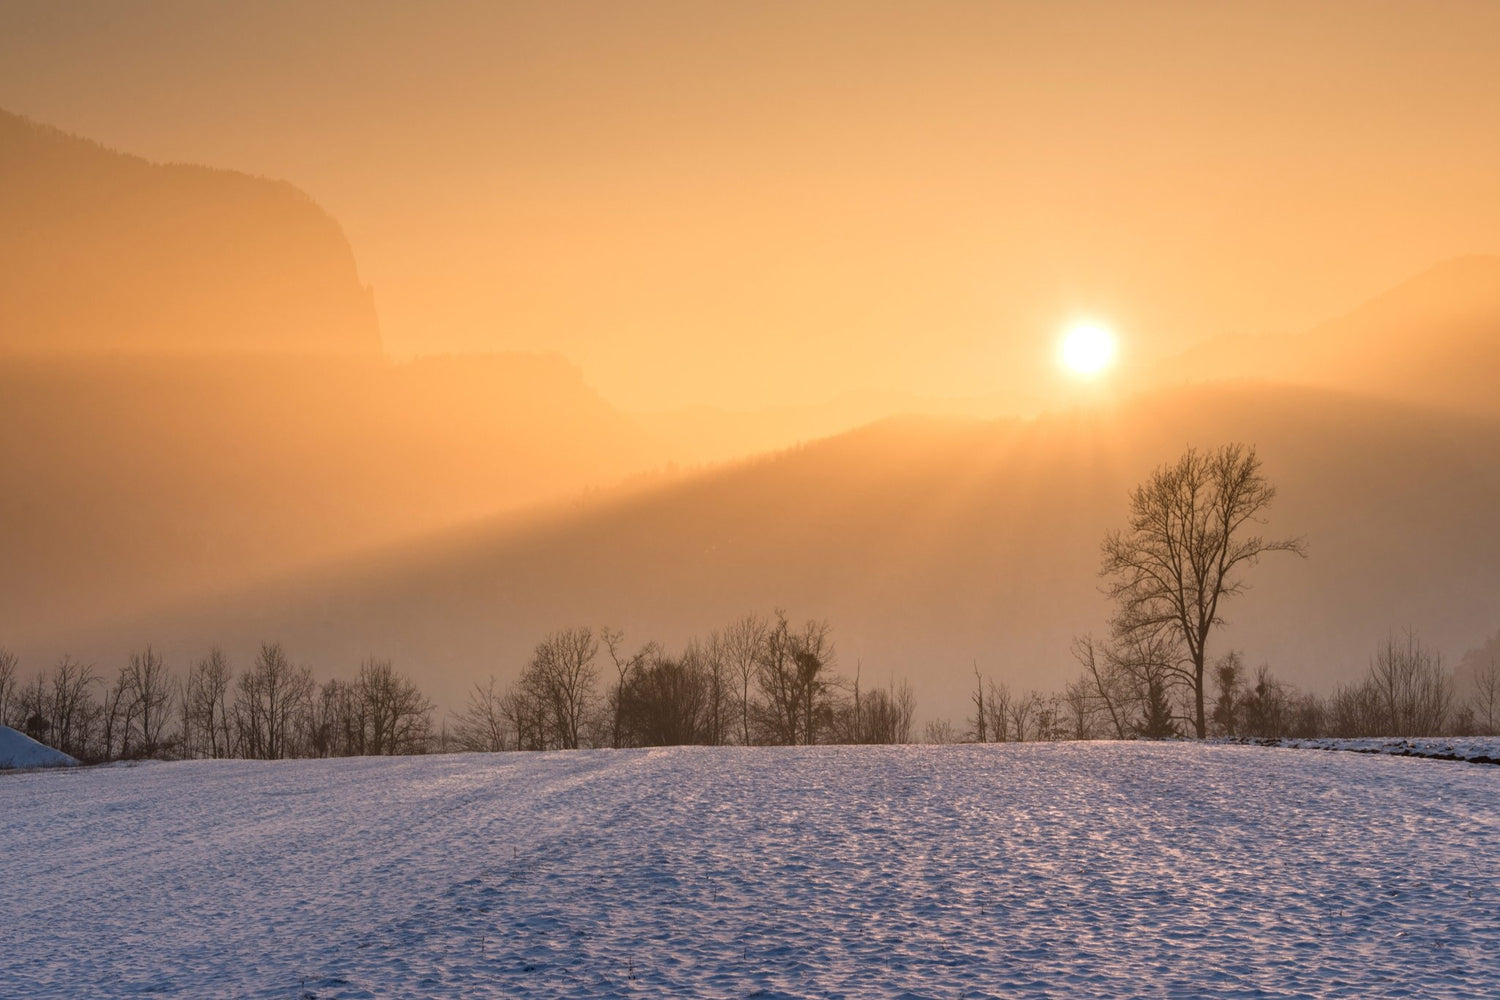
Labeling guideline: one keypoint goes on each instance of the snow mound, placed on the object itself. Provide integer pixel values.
(17, 750)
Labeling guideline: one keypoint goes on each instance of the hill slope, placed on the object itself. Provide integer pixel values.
(132, 480)
(929, 545)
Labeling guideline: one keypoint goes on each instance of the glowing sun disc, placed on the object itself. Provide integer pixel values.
(1087, 349)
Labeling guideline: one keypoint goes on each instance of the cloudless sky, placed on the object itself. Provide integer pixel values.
(775, 202)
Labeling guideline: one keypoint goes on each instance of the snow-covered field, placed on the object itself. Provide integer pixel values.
(1067, 870)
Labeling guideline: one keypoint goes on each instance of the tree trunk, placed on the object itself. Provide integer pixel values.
(1198, 721)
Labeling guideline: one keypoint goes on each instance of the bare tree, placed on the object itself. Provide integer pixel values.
(482, 726)
(939, 732)
(889, 713)
(1307, 716)
(1023, 712)
(877, 716)
(997, 708)
(379, 713)
(118, 717)
(33, 706)
(813, 654)
(1229, 673)
(665, 703)
(525, 710)
(1405, 693)
(1482, 668)
(711, 657)
(150, 692)
(779, 682)
(9, 684)
(979, 724)
(1414, 692)
(334, 726)
(744, 643)
(70, 711)
(397, 716)
(1355, 710)
(1049, 718)
(1267, 706)
(1108, 684)
(187, 740)
(792, 679)
(1484, 699)
(564, 672)
(1182, 553)
(207, 718)
(272, 695)
(1081, 709)
(625, 667)
(1147, 662)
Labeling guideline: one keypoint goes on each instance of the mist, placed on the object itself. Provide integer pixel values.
(548, 322)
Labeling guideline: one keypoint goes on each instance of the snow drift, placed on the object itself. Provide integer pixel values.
(17, 750)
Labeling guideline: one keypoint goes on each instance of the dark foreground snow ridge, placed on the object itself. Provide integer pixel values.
(1469, 750)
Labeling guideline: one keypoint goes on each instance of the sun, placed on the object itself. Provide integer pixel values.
(1086, 349)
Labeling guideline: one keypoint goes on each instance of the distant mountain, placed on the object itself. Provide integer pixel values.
(134, 479)
(930, 545)
(1434, 340)
(192, 392)
(101, 251)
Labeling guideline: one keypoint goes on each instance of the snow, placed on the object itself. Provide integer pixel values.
(1474, 749)
(17, 750)
(1079, 870)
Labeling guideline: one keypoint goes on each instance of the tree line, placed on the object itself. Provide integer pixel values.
(269, 711)
(760, 681)
(757, 682)
(1405, 691)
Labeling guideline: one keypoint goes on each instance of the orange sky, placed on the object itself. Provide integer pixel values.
(766, 203)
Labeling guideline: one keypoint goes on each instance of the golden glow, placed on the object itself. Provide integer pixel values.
(1087, 349)
(516, 253)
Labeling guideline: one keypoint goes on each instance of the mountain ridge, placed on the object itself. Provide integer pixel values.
(108, 251)
(1434, 339)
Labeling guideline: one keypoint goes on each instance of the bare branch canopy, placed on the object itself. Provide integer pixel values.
(1191, 535)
